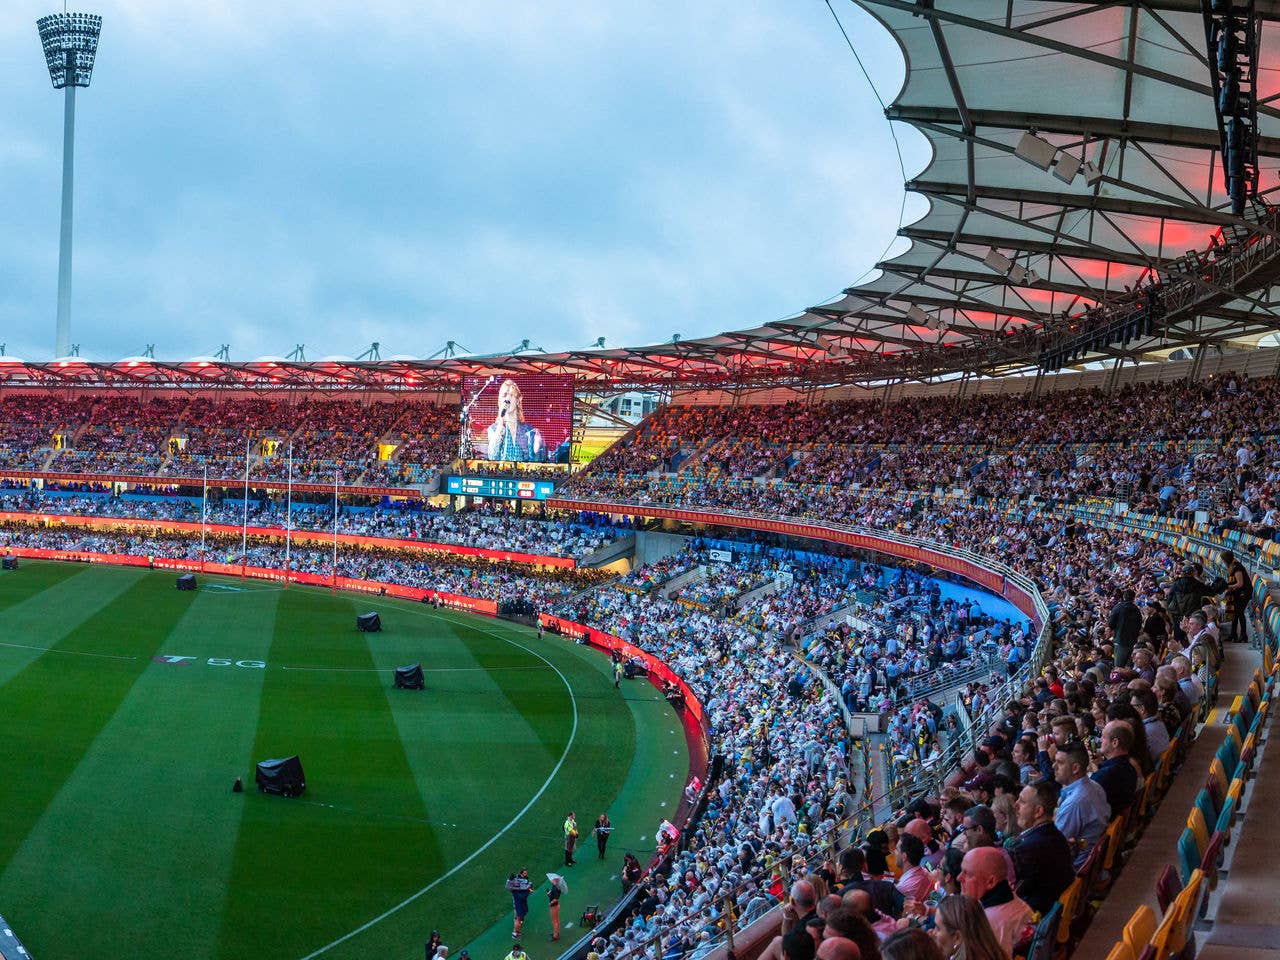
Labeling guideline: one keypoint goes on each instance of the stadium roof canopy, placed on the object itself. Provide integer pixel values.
(1011, 262)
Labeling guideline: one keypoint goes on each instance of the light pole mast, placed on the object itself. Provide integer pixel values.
(70, 42)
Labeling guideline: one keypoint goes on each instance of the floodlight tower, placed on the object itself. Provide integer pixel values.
(70, 43)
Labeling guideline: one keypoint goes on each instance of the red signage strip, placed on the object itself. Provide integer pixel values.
(658, 670)
(299, 536)
(991, 579)
(255, 483)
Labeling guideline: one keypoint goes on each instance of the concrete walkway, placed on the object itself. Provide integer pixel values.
(1159, 843)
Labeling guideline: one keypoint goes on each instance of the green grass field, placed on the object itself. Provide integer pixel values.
(119, 833)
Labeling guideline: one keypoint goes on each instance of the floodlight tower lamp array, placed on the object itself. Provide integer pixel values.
(70, 42)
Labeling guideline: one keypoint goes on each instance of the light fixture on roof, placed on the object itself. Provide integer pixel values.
(918, 316)
(997, 261)
(1035, 150)
(1066, 167)
(1018, 274)
(1092, 172)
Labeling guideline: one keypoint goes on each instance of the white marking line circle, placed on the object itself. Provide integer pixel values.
(573, 733)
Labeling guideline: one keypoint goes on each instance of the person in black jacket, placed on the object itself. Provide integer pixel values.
(1125, 623)
(885, 897)
(1186, 594)
(1116, 774)
(1041, 854)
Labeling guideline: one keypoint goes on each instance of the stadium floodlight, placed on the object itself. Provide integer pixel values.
(918, 316)
(70, 42)
(1035, 150)
(1066, 167)
(997, 261)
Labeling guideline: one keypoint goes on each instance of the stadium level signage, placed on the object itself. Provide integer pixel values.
(211, 662)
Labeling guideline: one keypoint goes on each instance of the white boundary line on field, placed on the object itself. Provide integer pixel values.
(69, 653)
(573, 733)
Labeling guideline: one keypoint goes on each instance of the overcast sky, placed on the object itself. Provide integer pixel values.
(335, 173)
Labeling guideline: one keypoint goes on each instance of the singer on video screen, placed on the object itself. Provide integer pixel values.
(510, 438)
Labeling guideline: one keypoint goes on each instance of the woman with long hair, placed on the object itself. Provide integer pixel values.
(962, 931)
(910, 944)
(1006, 817)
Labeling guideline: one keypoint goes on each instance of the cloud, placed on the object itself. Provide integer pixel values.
(334, 174)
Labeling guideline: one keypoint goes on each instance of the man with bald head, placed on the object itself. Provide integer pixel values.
(838, 948)
(803, 906)
(859, 903)
(800, 909)
(984, 876)
(1116, 774)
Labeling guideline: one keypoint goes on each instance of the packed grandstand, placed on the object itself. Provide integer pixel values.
(1099, 501)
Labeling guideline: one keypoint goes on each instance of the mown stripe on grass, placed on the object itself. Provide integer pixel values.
(52, 710)
(474, 898)
(463, 735)
(308, 870)
(54, 607)
(658, 768)
(539, 698)
(32, 577)
(133, 856)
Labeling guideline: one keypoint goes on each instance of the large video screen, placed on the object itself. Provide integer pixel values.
(526, 419)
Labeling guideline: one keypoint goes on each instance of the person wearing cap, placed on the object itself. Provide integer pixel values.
(516, 953)
(980, 786)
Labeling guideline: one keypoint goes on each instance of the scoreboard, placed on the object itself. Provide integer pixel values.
(500, 488)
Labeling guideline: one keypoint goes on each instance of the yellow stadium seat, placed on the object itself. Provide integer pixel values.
(1114, 841)
(1195, 822)
(1141, 928)
(1121, 951)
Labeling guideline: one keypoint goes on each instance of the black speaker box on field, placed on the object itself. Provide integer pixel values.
(11, 563)
(187, 581)
(369, 623)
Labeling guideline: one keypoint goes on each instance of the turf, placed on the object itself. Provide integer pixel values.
(120, 835)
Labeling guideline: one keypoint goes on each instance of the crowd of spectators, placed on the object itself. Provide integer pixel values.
(490, 528)
(1171, 449)
(123, 434)
(1132, 658)
(485, 580)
